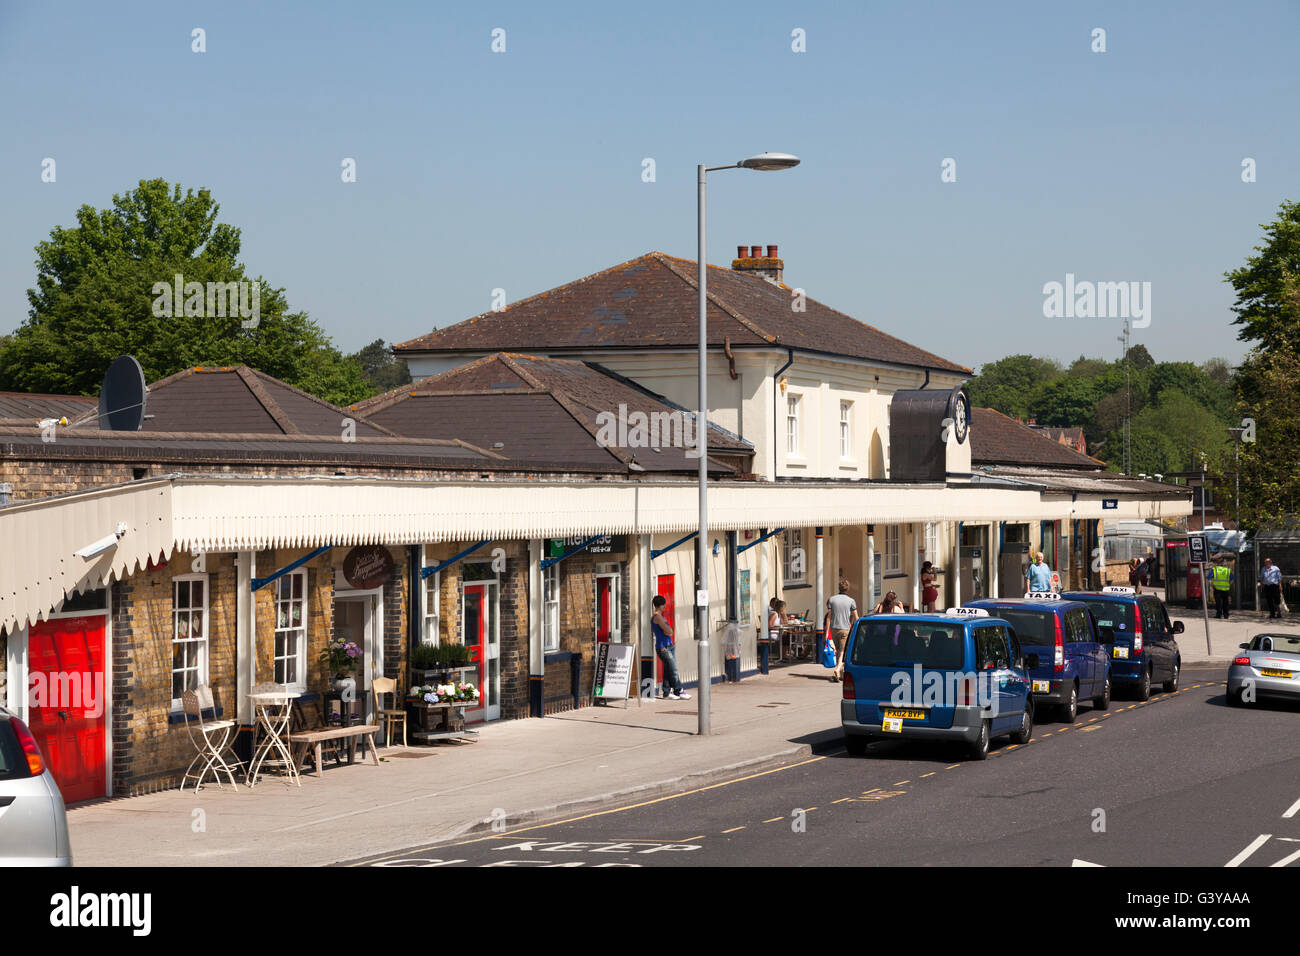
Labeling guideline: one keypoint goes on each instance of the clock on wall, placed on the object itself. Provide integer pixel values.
(959, 412)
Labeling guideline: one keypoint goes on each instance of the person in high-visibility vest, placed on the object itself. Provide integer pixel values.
(1221, 580)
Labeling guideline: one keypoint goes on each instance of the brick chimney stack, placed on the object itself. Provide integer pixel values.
(750, 259)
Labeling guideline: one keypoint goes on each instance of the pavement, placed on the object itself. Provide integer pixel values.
(515, 772)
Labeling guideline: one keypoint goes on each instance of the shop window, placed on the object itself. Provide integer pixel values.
(189, 634)
(794, 559)
(932, 541)
(551, 608)
(291, 630)
(432, 609)
(893, 549)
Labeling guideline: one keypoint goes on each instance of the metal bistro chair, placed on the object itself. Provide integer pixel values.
(212, 739)
(388, 716)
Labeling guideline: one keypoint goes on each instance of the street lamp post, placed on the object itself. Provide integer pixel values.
(765, 162)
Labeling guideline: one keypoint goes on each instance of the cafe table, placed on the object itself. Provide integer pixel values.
(273, 709)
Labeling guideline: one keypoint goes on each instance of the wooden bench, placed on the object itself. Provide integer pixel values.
(309, 730)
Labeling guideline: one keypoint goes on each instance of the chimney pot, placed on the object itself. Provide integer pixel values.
(742, 252)
(771, 252)
(756, 252)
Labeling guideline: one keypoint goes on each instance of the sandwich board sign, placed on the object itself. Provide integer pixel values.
(614, 664)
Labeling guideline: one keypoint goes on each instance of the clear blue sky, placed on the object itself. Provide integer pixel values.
(522, 170)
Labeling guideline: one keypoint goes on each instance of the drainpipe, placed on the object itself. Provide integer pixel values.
(775, 392)
(927, 380)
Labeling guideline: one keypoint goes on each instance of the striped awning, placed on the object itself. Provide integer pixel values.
(38, 565)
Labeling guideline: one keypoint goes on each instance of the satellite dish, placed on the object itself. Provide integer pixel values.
(121, 399)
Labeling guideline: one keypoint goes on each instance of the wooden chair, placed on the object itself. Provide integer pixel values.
(388, 716)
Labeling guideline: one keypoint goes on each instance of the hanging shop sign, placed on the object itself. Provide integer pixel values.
(368, 566)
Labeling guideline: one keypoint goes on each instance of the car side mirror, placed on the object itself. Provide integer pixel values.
(1245, 647)
(1178, 627)
(1031, 661)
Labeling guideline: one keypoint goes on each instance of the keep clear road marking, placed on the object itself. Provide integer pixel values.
(1295, 808)
(1255, 844)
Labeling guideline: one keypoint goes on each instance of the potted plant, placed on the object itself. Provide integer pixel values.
(434, 663)
(339, 658)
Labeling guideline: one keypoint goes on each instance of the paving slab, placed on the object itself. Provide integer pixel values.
(516, 771)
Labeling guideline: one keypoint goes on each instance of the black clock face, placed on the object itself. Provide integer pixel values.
(960, 420)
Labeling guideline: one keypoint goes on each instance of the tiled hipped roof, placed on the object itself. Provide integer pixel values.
(238, 400)
(538, 409)
(999, 440)
(652, 301)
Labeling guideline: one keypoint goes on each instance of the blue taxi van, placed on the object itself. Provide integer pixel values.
(1143, 648)
(958, 676)
(1075, 662)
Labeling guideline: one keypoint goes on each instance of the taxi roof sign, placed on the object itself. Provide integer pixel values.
(967, 612)
(1117, 589)
(1043, 596)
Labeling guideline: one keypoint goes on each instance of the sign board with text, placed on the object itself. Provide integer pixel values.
(613, 670)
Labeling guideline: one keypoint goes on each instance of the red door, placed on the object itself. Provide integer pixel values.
(67, 703)
(667, 587)
(475, 623)
(603, 619)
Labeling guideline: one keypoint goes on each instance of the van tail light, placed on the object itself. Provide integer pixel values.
(1243, 659)
(849, 692)
(35, 762)
(966, 692)
(1058, 658)
(1137, 630)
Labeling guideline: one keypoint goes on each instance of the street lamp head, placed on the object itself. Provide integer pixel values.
(769, 161)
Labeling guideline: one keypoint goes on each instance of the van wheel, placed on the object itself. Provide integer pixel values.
(855, 745)
(1070, 709)
(1026, 730)
(1144, 685)
(980, 748)
(1103, 702)
(1171, 685)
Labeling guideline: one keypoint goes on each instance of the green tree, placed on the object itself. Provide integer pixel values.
(1065, 402)
(1265, 282)
(381, 369)
(1270, 464)
(1008, 383)
(1170, 434)
(95, 299)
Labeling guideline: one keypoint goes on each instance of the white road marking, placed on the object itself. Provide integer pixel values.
(1295, 808)
(1078, 862)
(1288, 859)
(1258, 842)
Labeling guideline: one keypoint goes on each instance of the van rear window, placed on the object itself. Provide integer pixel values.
(889, 644)
(1031, 627)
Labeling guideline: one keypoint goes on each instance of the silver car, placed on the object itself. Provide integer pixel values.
(1269, 666)
(33, 822)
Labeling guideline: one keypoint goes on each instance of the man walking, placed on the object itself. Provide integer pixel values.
(1271, 582)
(843, 611)
(663, 632)
(1039, 577)
(1221, 580)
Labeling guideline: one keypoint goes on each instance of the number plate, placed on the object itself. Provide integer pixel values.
(892, 725)
(1270, 672)
(904, 714)
(1121, 652)
(1042, 686)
